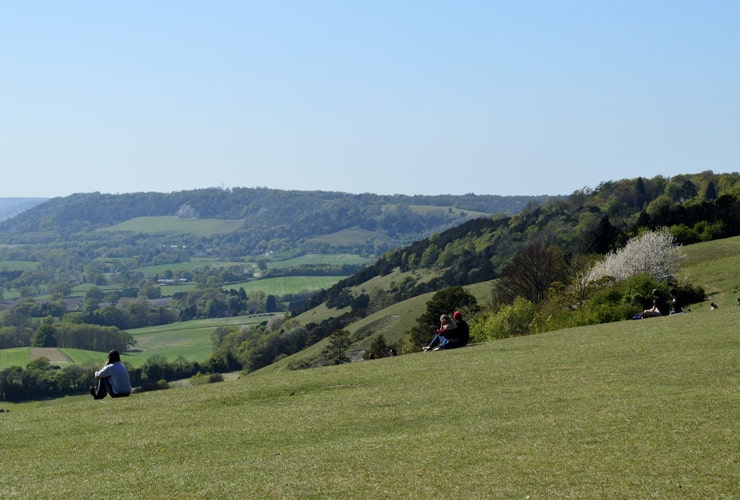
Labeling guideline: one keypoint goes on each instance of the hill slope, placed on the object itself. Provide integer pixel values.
(259, 220)
(626, 410)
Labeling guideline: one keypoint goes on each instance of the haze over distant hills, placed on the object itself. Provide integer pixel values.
(10, 207)
(250, 221)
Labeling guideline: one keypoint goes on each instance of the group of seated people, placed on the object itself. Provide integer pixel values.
(662, 307)
(453, 332)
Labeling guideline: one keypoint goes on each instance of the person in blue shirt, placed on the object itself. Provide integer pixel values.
(112, 379)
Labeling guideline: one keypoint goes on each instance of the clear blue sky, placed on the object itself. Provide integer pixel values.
(414, 97)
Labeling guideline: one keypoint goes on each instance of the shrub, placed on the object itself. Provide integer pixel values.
(653, 253)
(509, 320)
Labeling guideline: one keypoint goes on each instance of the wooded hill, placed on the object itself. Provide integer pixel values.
(556, 241)
(695, 207)
(258, 220)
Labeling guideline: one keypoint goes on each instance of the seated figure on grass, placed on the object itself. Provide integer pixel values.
(112, 379)
(660, 306)
(452, 333)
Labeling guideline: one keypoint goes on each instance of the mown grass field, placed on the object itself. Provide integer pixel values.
(17, 265)
(16, 356)
(190, 339)
(287, 284)
(320, 259)
(637, 409)
(270, 286)
(171, 224)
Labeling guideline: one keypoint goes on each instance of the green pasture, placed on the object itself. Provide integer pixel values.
(20, 356)
(82, 289)
(714, 266)
(193, 264)
(315, 259)
(17, 265)
(350, 236)
(430, 209)
(15, 356)
(190, 339)
(287, 284)
(82, 357)
(636, 409)
(176, 225)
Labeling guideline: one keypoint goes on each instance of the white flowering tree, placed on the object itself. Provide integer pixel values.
(654, 253)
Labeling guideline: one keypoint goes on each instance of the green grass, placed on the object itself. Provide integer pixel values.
(82, 357)
(287, 284)
(320, 259)
(714, 265)
(175, 225)
(637, 409)
(190, 339)
(16, 356)
(18, 265)
(350, 236)
(191, 265)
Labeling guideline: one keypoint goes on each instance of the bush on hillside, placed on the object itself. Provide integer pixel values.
(654, 253)
(507, 321)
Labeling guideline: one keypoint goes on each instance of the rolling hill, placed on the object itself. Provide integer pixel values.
(634, 409)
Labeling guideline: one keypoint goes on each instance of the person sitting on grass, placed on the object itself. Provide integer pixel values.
(442, 336)
(462, 331)
(676, 307)
(112, 379)
(660, 306)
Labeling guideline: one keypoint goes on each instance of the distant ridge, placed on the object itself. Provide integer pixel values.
(267, 220)
(10, 207)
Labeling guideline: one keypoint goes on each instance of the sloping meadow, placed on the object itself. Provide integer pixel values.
(634, 409)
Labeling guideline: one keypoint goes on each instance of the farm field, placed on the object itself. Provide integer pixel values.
(177, 225)
(16, 356)
(17, 265)
(287, 284)
(320, 259)
(191, 340)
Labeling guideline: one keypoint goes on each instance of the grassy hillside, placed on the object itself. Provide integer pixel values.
(714, 265)
(176, 225)
(637, 409)
(392, 322)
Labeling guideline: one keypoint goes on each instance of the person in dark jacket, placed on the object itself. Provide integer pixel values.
(463, 336)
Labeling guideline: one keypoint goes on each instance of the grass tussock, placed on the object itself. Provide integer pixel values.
(636, 409)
